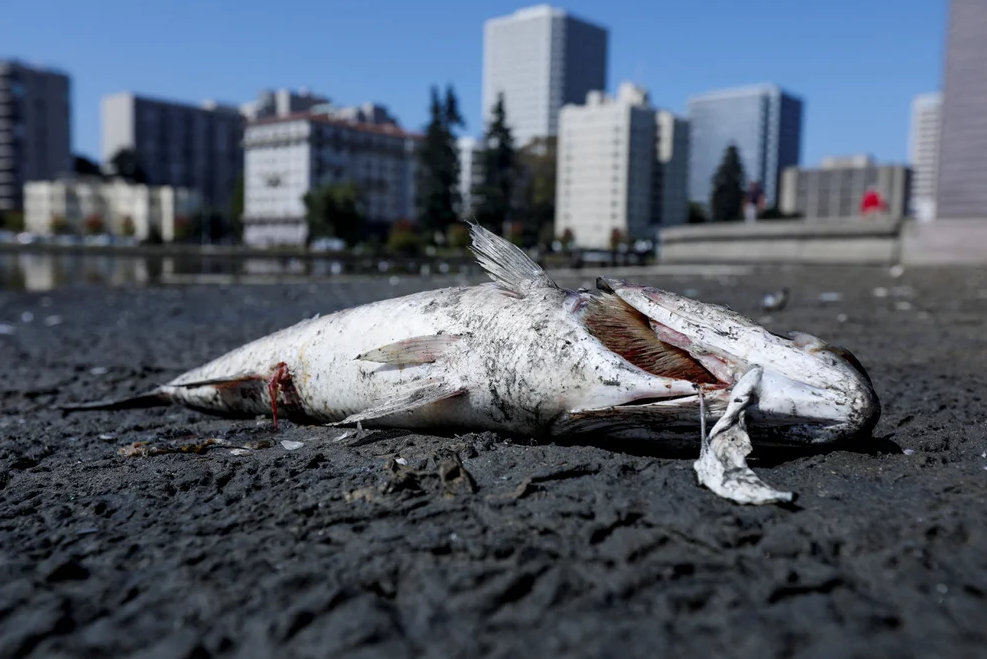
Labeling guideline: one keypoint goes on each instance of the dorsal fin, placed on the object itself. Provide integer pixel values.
(506, 263)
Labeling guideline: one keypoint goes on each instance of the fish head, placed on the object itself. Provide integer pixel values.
(810, 392)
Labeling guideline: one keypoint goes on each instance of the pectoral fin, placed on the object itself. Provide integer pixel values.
(722, 464)
(416, 350)
(406, 401)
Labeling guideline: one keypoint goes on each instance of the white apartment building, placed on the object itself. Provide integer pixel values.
(837, 187)
(923, 154)
(115, 202)
(606, 158)
(281, 103)
(470, 172)
(670, 200)
(178, 145)
(35, 137)
(286, 157)
(540, 58)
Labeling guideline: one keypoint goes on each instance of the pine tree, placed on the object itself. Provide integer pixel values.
(727, 201)
(496, 190)
(437, 195)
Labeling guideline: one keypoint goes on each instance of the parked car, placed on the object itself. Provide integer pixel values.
(328, 245)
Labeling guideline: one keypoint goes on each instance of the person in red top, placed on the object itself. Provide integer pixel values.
(872, 203)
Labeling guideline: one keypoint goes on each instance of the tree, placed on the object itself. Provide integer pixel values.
(12, 221)
(697, 214)
(236, 208)
(85, 166)
(335, 210)
(93, 225)
(537, 165)
(60, 226)
(127, 165)
(207, 225)
(404, 238)
(727, 201)
(437, 196)
(496, 190)
(458, 236)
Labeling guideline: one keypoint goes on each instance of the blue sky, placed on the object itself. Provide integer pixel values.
(856, 63)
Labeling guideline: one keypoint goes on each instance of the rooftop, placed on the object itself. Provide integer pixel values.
(540, 11)
(734, 92)
(379, 129)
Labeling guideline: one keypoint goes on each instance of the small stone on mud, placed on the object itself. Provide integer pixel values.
(290, 445)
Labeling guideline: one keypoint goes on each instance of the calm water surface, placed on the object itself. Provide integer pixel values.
(41, 271)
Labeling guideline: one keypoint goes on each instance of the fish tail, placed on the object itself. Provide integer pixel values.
(154, 398)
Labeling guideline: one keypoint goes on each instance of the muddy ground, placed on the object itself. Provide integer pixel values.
(337, 549)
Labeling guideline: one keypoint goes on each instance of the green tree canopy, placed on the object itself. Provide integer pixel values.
(727, 201)
(85, 166)
(335, 210)
(495, 192)
(236, 209)
(537, 165)
(437, 195)
(127, 165)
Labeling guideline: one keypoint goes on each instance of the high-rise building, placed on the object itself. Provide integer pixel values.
(470, 173)
(923, 154)
(177, 144)
(540, 58)
(961, 191)
(837, 188)
(670, 200)
(285, 157)
(762, 121)
(606, 157)
(35, 133)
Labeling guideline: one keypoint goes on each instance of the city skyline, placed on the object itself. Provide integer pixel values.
(857, 79)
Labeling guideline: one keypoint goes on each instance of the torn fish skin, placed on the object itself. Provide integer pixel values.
(520, 355)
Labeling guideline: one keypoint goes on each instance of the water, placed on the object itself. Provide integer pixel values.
(45, 271)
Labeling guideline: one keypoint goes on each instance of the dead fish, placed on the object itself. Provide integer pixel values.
(520, 355)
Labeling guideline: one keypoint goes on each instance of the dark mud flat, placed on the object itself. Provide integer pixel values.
(381, 545)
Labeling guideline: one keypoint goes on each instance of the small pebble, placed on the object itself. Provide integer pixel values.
(6, 329)
(908, 451)
(107, 437)
(841, 318)
(880, 291)
(27, 317)
(830, 296)
(240, 451)
(401, 461)
(51, 321)
(98, 370)
(903, 305)
(290, 445)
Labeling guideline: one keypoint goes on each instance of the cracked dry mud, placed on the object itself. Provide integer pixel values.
(396, 544)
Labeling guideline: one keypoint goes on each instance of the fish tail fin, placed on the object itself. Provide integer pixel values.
(154, 398)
